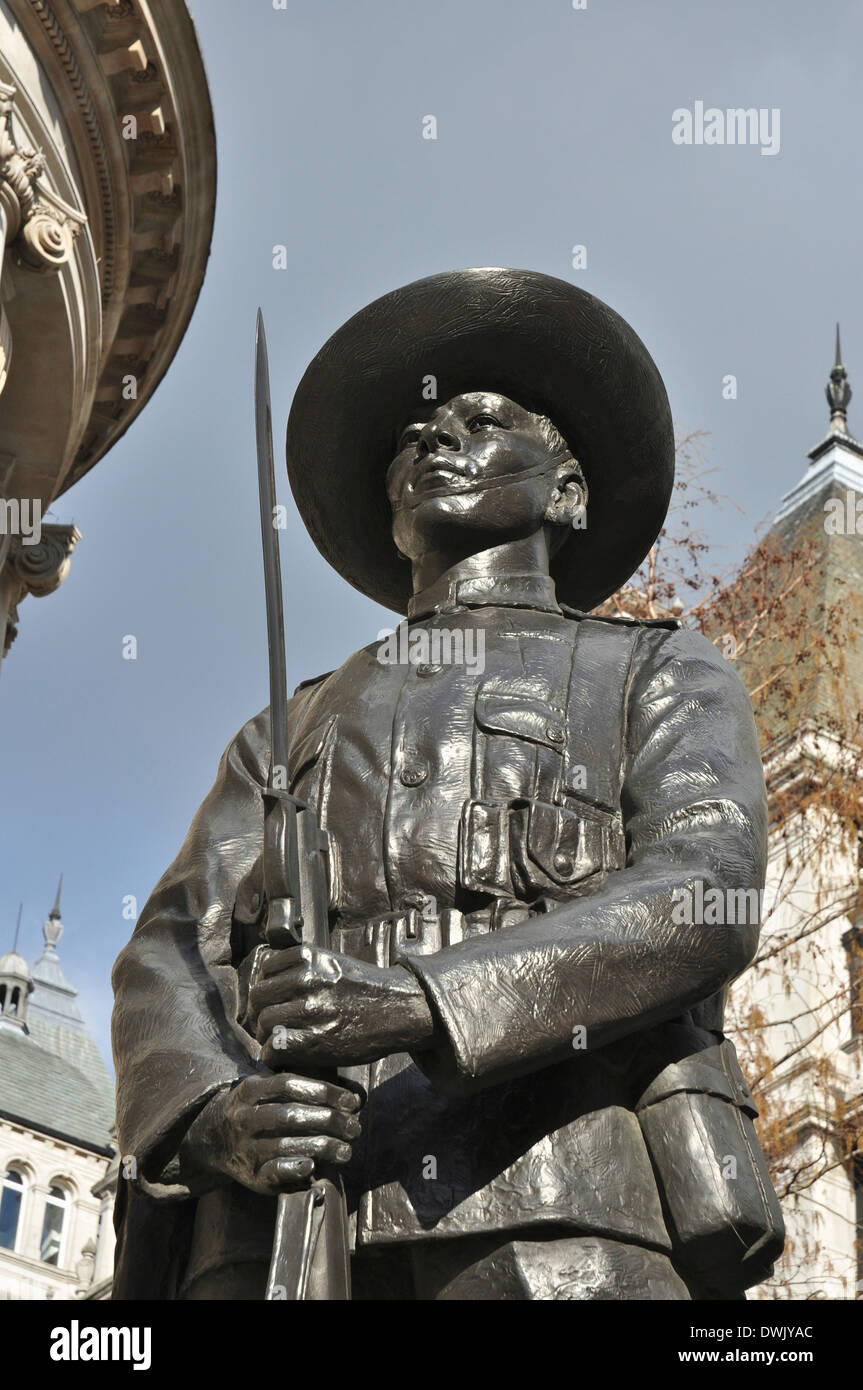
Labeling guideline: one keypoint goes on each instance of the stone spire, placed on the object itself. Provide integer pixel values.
(54, 997)
(52, 930)
(838, 393)
(836, 463)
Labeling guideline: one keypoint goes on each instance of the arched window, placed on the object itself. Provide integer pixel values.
(51, 1245)
(16, 999)
(11, 1198)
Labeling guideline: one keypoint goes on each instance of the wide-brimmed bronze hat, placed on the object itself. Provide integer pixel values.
(550, 346)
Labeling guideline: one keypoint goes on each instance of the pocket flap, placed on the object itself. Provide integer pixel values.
(567, 847)
(522, 716)
(714, 1071)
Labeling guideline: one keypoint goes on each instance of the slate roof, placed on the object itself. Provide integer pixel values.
(52, 1076)
(46, 1092)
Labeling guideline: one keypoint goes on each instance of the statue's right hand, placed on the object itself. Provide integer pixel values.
(271, 1131)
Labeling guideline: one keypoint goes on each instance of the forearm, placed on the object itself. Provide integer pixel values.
(573, 979)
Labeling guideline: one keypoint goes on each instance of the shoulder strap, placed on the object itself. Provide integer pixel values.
(621, 620)
(596, 711)
(312, 680)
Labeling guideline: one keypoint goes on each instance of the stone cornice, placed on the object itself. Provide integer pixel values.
(812, 752)
(149, 200)
(838, 458)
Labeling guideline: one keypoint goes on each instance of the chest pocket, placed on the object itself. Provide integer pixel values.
(527, 831)
(519, 745)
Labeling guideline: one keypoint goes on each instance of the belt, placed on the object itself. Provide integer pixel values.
(416, 929)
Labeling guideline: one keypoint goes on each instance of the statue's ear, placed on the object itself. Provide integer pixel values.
(568, 503)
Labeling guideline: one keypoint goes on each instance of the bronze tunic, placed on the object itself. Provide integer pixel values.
(540, 816)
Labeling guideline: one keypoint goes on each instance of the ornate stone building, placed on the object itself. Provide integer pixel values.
(107, 191)
(803, 999)
(57, 1166)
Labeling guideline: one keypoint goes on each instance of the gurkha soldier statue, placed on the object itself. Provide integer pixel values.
(509, 1049)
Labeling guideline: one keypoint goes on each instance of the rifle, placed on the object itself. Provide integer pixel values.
(310, 1257)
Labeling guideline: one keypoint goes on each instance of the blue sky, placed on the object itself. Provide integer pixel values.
(554, 129)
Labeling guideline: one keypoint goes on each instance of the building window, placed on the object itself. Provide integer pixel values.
(11, 1199)
(52, 1227)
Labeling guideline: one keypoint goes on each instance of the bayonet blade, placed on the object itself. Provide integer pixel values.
(270, 546)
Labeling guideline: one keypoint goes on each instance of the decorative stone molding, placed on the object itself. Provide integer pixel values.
(107, 198)
(41, 568)
(32, 569)
(40, 226)
(129, 81)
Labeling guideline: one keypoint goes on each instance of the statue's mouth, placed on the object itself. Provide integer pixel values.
(436, 473)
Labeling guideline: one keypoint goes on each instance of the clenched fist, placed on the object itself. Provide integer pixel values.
(270, 1131)
(319, 1008)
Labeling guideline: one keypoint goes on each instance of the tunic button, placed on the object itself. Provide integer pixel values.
(563, 864)
(414, 774)
(555, 733)
(428, 669)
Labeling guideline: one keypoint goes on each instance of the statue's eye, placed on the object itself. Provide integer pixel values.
(482, 422)
(410, 436)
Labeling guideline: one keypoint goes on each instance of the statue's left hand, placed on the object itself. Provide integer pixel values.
(318, 1007)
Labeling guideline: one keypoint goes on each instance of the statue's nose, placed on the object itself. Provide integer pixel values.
(437, 435)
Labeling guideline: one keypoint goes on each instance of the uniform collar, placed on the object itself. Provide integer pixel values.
(508, 591)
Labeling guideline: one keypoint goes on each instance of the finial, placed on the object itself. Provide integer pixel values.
(838, 393)
(52, 930)
(17, 927)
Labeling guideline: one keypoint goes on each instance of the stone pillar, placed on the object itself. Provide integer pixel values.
(104, 1266)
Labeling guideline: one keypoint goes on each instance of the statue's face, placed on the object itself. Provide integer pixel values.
(480, 464)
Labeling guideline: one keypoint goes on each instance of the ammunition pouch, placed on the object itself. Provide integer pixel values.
(721, 1211)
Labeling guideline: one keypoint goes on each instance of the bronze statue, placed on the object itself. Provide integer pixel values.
(533, 1098)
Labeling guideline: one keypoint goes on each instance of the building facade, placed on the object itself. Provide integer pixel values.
(57, 1155)
(798, 1009)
